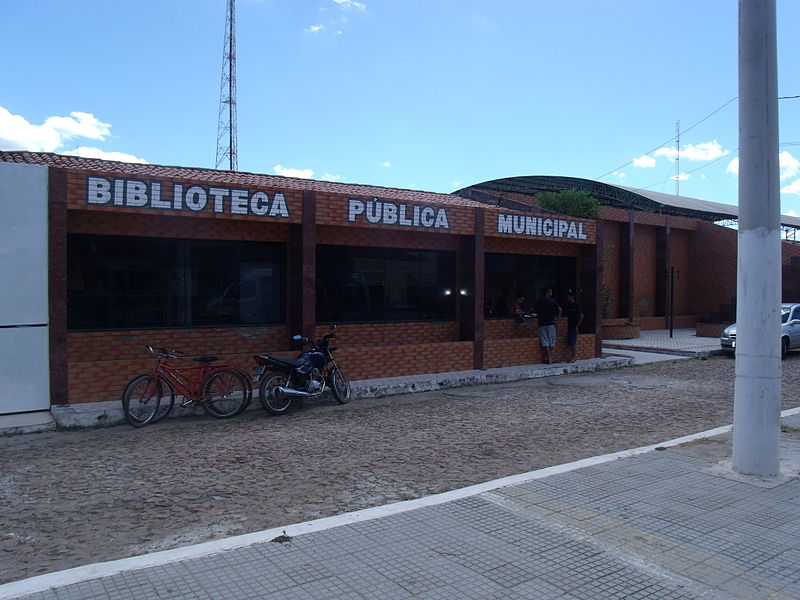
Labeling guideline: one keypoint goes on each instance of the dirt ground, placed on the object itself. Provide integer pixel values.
(75, 497)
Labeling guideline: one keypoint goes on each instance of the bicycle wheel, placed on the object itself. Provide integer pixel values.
(271, 399)
(141, 400)
(340, 386)
(248, 387)
(167, 401)
(224, 394)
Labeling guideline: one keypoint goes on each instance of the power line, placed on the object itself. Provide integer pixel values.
(730, 155)
(672, 139)
(708, 116)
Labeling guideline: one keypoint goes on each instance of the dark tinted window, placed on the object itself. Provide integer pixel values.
(127, 282)
(384, 284)
(510, 275)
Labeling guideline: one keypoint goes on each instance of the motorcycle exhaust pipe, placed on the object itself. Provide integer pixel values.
(294, 392)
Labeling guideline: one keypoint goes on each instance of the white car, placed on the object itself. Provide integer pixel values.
(790, 331)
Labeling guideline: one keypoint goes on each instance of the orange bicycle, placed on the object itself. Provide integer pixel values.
(222, 390)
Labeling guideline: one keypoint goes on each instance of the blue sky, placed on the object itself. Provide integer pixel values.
(425, 94)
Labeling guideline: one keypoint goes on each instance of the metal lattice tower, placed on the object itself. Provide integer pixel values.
(226, 123)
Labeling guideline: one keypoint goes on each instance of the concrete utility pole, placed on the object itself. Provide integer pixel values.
(757, 396)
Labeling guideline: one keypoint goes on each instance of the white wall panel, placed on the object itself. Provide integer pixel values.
(23, 244)
(24, 369)
(24, 345)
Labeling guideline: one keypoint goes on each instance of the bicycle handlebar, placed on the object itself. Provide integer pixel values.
(163, 352)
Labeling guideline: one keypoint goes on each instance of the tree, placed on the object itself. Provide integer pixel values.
(573, 203)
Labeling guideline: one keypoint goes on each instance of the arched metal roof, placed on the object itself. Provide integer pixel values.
(491, 192)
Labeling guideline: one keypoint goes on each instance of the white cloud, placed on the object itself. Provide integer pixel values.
(329, 177)
(16, 133)
(386, 164)
(680, 177)
(620, 175)
(792, 188)
(695, 152)
(791, 213)
(314, 28)
(79, 124)
(457, 184)
(88, 152)
(790, 166)
(644, 162)
(345, 4)
(288, 172)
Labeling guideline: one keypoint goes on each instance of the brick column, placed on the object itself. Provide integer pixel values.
(480, 285)
(57, 284)
(309, 267)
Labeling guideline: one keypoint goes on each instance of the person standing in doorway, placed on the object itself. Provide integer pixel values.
(574, 319)
(548, 310)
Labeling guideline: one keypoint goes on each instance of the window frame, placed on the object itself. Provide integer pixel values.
(180, 278)
(340, 253)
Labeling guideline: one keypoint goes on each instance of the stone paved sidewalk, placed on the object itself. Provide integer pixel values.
(664, 522)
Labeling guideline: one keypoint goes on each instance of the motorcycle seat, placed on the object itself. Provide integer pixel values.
(285, 360)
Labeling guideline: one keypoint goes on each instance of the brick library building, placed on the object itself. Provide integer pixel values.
(109, 257)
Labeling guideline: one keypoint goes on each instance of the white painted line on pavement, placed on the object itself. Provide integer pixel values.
(59, 579)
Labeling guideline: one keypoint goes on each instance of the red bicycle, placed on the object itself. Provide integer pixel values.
(222, 390)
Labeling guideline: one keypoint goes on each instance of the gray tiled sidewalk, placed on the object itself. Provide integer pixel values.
(683, 341)
(648, 524)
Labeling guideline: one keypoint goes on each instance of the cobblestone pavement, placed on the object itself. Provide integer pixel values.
(72, 498)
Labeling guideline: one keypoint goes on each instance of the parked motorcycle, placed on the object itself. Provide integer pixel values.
(282, 380)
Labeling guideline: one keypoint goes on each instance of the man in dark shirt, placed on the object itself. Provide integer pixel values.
(574, 318)
(548, 310)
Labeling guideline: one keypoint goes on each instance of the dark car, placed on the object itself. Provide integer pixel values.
(790, 331)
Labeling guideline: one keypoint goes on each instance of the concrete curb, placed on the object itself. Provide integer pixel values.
(685, 352)
(376, 388)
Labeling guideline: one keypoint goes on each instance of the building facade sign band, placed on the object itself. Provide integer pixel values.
(135, 193)
(541, 227)
(381, 212)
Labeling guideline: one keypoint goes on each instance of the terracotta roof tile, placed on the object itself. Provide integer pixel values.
(230, 177)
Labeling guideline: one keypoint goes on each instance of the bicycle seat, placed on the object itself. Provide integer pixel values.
(205, 359)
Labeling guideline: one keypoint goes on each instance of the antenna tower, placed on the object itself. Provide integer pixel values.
(678, 158)
(226, 123)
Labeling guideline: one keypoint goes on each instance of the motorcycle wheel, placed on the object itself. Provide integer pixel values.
(273, 401)
(340, 386)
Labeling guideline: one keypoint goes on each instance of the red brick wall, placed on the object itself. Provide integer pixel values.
(789, 249)
(644, 269)
(679, 258)
(511, 343)
(392, 334)
(509, 245)
(499, 352)
(609, 296)
(102, 362)
(360, 236)
(172, 226)
(712, 275)
(609, 213)
(394, 360)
